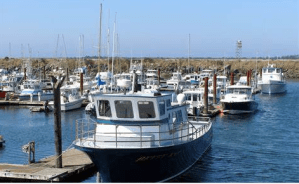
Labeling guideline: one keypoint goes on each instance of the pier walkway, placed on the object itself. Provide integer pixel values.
(76, 166)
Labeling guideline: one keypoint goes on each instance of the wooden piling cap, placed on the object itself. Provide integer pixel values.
(1, 137)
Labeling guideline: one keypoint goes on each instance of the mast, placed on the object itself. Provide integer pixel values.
(113, 45)
(108, 39)
(189, 55)
(100, 36)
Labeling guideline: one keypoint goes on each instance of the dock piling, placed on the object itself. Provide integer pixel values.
(232, 78)
(57, 120)
(214, 88)
(206, 108)
(81, 83)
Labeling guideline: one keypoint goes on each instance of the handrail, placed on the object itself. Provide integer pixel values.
(180, 134)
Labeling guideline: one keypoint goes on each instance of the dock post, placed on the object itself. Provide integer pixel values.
(205, 110)
(57, 120)
(31, 97)
(29, 152)
(214, 88)
(247, 74)
(232, 78)
(250, 72)
(81, 83)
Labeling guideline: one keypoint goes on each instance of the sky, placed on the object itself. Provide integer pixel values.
(143, 28)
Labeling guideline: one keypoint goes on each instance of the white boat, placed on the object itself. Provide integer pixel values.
(194, 99)
(124, 80)
(176, 81)
(33, 88)
(137, 66)
(194, 78)
(142, 137)
(206, 73)
(238, 99)
(75, 83)
(221, 82)
(10, 83)
(69, 100)
(273, 80)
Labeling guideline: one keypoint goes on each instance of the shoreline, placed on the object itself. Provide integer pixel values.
(167, 66)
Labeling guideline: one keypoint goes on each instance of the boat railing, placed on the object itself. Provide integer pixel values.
(90, 133)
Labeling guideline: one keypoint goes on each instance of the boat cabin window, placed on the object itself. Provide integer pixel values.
(124, 109)
(271, 70)
(146, 109)
(194, 97)
(278, 70)
(188, 97)
(162, 107)
(177, 117)
(104, 108)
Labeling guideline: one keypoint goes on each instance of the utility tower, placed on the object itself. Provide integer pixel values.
(238, 50)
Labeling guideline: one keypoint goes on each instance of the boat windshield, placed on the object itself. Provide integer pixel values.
(238, 91)
(124, 109)
(146, 109)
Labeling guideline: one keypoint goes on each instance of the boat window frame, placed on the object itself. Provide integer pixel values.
(128, 114)
(149, 114)
(106, 110)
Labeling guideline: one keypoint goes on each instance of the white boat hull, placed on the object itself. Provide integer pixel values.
(273, 87)
(68, 105)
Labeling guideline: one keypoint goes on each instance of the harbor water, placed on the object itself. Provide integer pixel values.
(259, 147)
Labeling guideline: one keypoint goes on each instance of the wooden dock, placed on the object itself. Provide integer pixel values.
(76, 166)
(29, 103)
(16, 102)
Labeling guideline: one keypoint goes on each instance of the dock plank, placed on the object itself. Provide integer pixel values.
(75, 162)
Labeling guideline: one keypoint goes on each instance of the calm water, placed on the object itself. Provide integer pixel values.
(260, 147)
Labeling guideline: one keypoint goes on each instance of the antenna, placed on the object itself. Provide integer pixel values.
(239, 49)
(56, 50)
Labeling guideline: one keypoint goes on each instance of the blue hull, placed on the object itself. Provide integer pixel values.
(148, 164)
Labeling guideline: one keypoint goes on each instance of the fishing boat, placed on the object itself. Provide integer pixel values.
(222, 82)
(238, 99)
(194, 78)
(33, 88)
(194, 99)
(124, 80)
(177, 81)
(69, 100)
(142, 137)
(273, 80)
